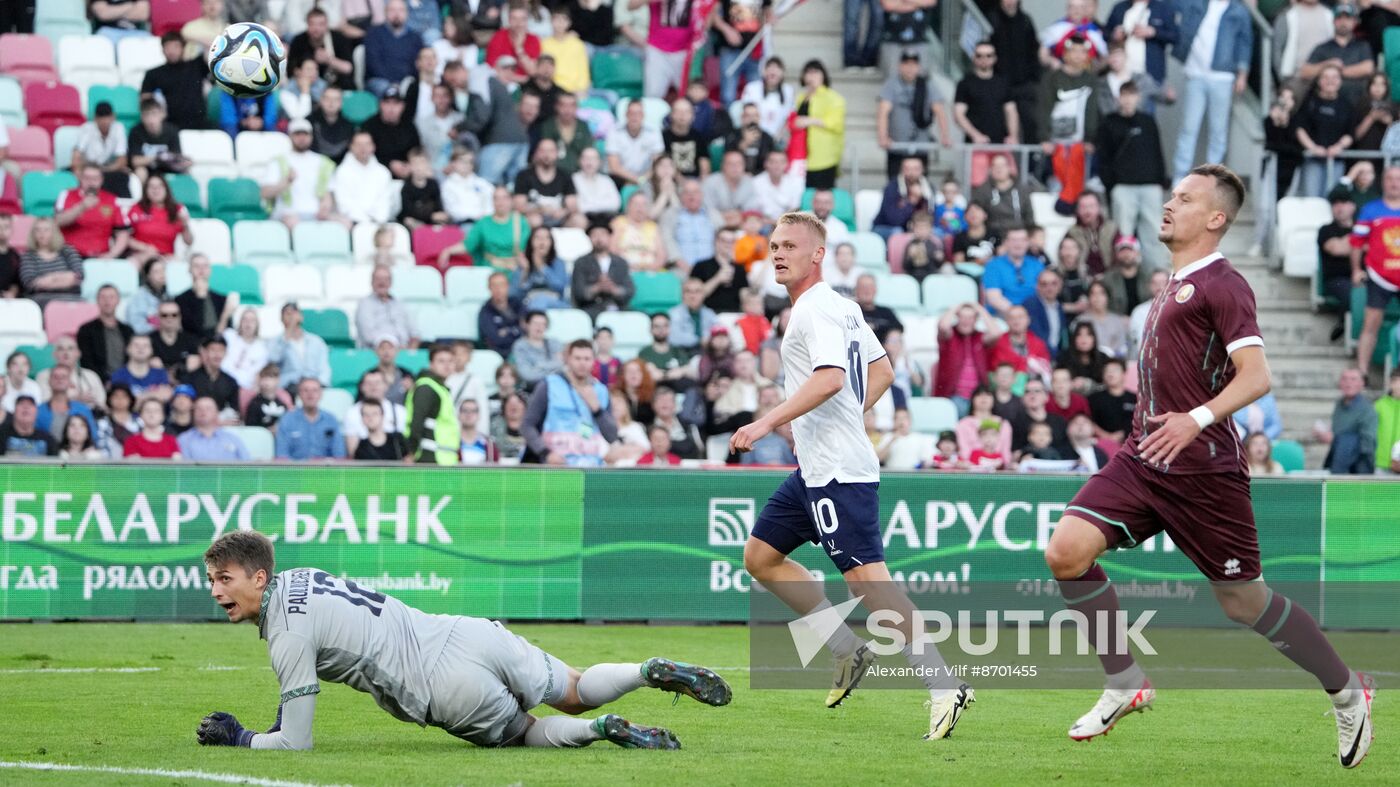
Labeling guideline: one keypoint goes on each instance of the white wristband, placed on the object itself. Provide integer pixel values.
(1204, 417)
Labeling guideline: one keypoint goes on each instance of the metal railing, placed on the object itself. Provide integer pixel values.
(1266, 197)
(961, 154)
(1265, 66)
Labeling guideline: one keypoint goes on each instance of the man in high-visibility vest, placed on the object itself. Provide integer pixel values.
(434, 436)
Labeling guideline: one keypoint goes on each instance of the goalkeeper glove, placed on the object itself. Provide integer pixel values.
(222, 729)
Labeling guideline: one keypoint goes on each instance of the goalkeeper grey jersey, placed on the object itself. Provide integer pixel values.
(319, 627)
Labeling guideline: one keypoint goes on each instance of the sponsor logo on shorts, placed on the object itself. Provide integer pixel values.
(1232, 567)
(1184, 294)
(731, 521)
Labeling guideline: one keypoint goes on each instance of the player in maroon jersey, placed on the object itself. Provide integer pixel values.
(1183, 471)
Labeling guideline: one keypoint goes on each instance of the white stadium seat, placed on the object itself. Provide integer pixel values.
(483, 366)
(468, 285)
(254, 149)
(1043, 205)
(566, 325)
(177, 276)
(337, 402)
(921, 341)
(654, 112)
(211, 151)
(135, 56)
(932, 414)
(321, 243)
(870, 251)
(262, 243)
(457, 321)
(897, 291)
(867, 208)
(417, 284)
(347, 282)
(570, 243)
(211, 238)
(86, 60)
(1300, 216)
(65, 138)
(118, 273)
(259, 442)
(281, 283)
(362, 242)
(21, 322)
(631, 332)
(942, 291)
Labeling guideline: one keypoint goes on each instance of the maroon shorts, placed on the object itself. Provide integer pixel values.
(1209, 516)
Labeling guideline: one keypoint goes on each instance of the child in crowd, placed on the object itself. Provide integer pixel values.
(754, 325)
(985, 456)
(384, 247)
(660, 453)
(752, 244)
(945, 456)
(605, 366)
(923, 256)
(1038, 444)
(422, 200)
(950, 208)
(266, 408)
(466, 196)
(900, 450)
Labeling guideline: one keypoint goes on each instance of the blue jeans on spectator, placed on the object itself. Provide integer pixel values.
(729, 83)
(377, 85)
(1318, 175)
(886, 231)
(1203, 100)
(500, 161)
(855, 51)
(116, 34)
(964, 405)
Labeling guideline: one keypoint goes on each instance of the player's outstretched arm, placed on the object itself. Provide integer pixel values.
(1252, 380)
(292, 730)
(824, 383)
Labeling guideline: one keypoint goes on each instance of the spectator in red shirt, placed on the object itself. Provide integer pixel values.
(1019, 347)
(156, 220)
(1064, 402)
(92, 221)
(152, 442)
(963, 353)
(515, 40)
(660, 453)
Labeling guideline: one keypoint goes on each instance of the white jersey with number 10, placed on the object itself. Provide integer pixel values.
(826, 329)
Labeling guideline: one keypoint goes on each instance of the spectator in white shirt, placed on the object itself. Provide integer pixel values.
(102, 143)
(823, 203)
(596, 192)
(466, 196)
(361, 183)
(774, 99)
(247, 352)
(380, 313)
(632, 146)
(373, 386)
(298, 184)
(777, 191)
(730, 191)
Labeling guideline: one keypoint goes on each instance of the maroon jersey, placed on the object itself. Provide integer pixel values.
(1205, 313)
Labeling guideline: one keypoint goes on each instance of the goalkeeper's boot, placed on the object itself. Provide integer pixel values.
(624, 733)
(944, 709)
(698, 683)
(1354, 731)
(1112, 706)
(848, 673)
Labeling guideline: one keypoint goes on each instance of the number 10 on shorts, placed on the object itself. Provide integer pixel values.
(824, 514)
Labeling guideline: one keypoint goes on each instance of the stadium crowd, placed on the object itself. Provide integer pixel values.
(486, 132)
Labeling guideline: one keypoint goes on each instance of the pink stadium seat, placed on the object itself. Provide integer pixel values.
(9, 195)
(167, 15)
(894, 251)
(53, 104)
(63, 318)
(31, 148)
(428, 242)
(27, 58)
(19, 232)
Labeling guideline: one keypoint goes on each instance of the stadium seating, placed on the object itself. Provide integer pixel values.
(654, 111)
(86, 60)
(1289, 454)
(348, 365)
(21, 322)
(867, 207)
(211, 238)
(870, 250)
(921, 341)
(330, 324)
(20, 226)
(261, 445)
(932, 414)
(242, 279)
(845, 208)
(414, 361)
(359, 106)
(235, 199)
(418, 284)
(656, 292)
(337, 402)
(894, 250)
(185, 190)
(619, 71)
(347, 282)
(1390, 46)
(362, 242)
(570, 243)
(41, 190)
(167, 15)
(282, 282)
(943, 291)
(63, 318)
(254, 149)
(631, 332)
(125, 101)
(457, 321)
(31, 148)
(12, 112)
(65, 139)
(177, 276)
(135, 56)
(1295, 242)
(898, 291)
(566, 325)
(118, 273)
(429, 241)
(53, 104)
(54, 19)
(321, 243)
(483, 366)
(468, 285)
(27, 58)
(211, 151)
(262, 243)
(40, 356)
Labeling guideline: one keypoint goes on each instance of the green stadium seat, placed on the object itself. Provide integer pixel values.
(870, 251)
(331, 325)
(41, 190)
(414, 361)
(618, 71)
(360, 105)
(348, 365)
(232, 200)
(242, 279)
(626, 194)
(125, 101)
(845, 208)
(185, 190)
(1358, 313)
(213, 107)
(1391, 46)
(1289, 453)
(40, 357)
(898, 291)
(656, 292)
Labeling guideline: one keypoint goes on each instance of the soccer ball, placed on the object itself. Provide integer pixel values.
(246, 60)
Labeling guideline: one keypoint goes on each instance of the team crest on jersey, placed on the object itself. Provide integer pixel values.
(1184, 294)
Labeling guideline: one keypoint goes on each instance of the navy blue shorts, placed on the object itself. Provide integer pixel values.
(843, 518)
(1378, 297)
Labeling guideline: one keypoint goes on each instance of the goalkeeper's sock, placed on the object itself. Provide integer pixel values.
(561, 732)
(604, 683)
(843, 643)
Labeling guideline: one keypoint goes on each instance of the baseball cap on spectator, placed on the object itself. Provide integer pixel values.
(302, 126)
(1344, 8)
(908, 55)
(392, 94)
(185, 390)
(387, 337)
(103, 110)
(1339, 195)
(1127, 242)
(718, 330)
(505, 61)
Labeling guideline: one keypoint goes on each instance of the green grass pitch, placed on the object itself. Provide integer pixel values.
(146, 720)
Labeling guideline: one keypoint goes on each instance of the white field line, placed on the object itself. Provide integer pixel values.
(222, 778)
(71, 670)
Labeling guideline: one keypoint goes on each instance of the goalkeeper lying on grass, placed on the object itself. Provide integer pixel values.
(469, 676)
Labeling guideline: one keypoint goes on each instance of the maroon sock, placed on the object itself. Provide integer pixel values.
(1089, 595)
(1295, 634)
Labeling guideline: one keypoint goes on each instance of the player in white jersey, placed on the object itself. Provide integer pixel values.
(834, 371)
(469, 676)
